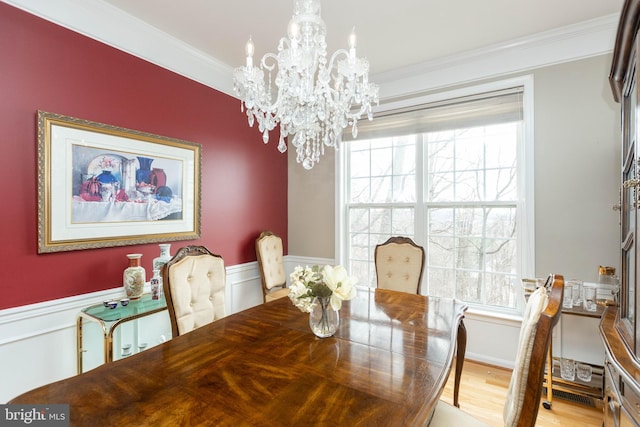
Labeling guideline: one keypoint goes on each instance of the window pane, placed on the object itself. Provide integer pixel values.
(500, 290)
(501, 184)
(380, 221)
(469, 286)
(469, 186)
(441, 252)
(469, 149)
(360, 247)
(369, 227)
(469, 253)
(359, 191)
(501, 222)
(403, 222)
(404, 188)
(440, 151)
(381, 161)
(360, 164)
(360, 270)
(404, 158)
(501, 256)
(467, 205)
(359, 219)
(381, 190)
(441, 282)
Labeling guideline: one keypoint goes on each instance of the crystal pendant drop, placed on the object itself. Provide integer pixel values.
(307, 163)
(282, 144)
(265, 136)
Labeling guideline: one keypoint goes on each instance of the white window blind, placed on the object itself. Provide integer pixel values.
(478, 110)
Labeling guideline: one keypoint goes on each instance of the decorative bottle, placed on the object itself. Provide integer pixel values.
(156, 285)
(134, 277)
(165, 255)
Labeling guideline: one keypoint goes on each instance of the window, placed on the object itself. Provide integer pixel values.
(451, 175)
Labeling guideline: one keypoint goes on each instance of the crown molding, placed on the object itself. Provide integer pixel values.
(110, 25)
(574, 42)
(107, 24)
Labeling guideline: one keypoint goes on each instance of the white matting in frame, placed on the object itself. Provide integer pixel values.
(101, 185)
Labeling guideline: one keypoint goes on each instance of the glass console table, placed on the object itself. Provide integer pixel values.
(98, 323)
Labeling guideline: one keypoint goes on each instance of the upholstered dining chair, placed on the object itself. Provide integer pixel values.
(541, 314)
(194, 287)
(399, 264)
(270, 260)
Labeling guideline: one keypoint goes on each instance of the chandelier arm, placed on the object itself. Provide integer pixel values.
(265, 58)
(335, 55)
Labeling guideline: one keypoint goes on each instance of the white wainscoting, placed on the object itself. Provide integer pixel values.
(38, 341)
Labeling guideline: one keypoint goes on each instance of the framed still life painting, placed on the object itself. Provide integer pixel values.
(101, 185)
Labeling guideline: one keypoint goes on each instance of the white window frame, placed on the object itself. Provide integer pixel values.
(525, 216)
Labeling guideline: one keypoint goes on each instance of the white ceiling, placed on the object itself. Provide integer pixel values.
(391, 34)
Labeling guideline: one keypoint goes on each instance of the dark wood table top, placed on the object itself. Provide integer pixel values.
(386, 366)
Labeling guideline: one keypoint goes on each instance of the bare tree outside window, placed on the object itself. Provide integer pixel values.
(468, 210)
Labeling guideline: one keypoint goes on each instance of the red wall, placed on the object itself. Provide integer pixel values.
(46, 67)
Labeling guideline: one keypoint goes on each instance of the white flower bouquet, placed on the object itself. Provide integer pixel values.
(307, 283)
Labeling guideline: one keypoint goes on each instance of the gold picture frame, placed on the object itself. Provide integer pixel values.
(101, 186)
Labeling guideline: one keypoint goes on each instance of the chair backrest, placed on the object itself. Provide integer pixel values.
(194, 285)
(399, 264)
(269, 252)
(542, 313)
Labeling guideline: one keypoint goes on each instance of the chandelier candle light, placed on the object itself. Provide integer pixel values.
(313, 99)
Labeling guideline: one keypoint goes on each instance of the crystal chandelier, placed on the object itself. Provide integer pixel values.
(312, 98)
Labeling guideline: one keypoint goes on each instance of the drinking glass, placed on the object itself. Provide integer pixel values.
(576, 290)
(584, 372)
(590, 303)
(567, 296)
(567, 369)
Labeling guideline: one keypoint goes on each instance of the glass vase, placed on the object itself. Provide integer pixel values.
(134, 277)
(323, 320)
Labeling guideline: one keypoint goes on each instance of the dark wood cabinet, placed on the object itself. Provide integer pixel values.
(619, 326)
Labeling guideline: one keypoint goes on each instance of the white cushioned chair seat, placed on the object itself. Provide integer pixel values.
(276, 293)
(269, 251)
(197, 286)
(399, 266)
(447, 415)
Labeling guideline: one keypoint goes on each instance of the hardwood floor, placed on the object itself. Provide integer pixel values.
(483, 389)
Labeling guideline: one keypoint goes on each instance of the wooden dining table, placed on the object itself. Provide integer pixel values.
(386, 365)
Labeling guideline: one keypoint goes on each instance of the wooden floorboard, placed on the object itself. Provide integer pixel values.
(483, 390)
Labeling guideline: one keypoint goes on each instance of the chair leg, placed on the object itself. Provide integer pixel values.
(460, 352)
(547, 403)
